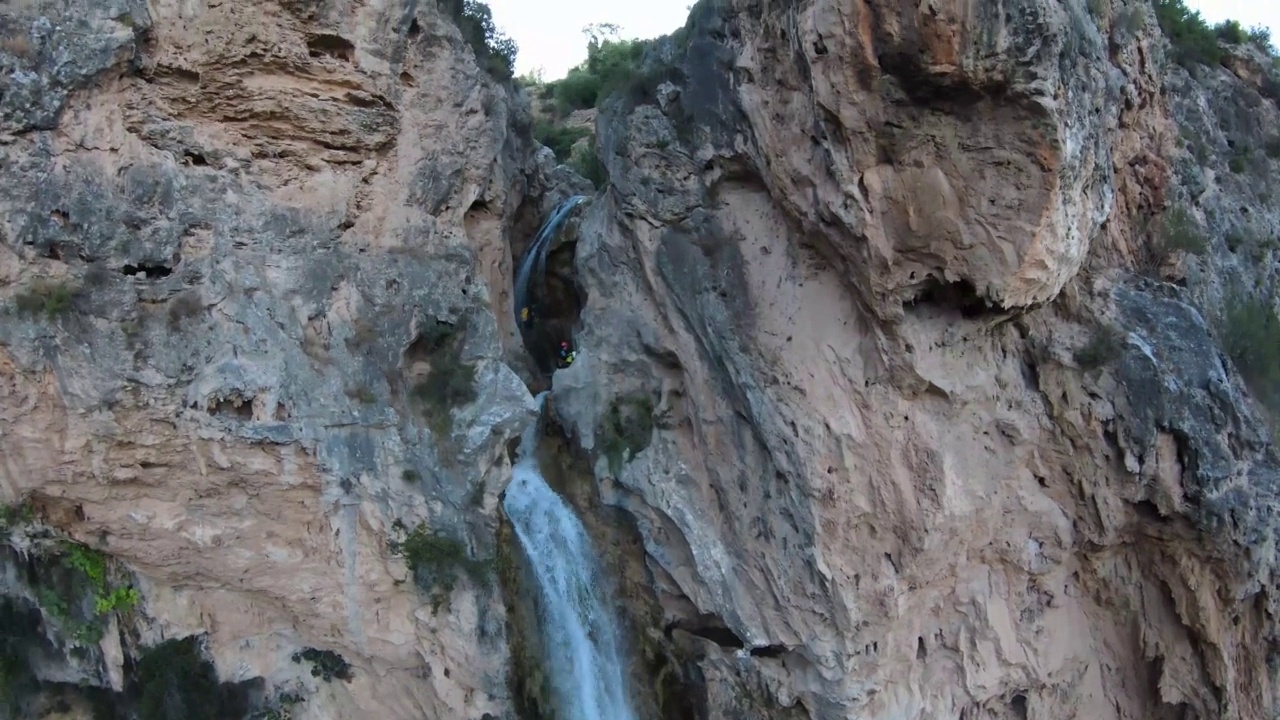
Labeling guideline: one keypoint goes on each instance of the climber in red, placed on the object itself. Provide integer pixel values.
(567, 355)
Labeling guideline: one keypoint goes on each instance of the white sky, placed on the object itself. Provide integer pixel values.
(549, 32)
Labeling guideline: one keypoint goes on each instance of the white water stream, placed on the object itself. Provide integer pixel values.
(580, 636)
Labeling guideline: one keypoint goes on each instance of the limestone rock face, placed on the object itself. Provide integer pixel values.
(851, 255)
(904, 405)
(226, 230)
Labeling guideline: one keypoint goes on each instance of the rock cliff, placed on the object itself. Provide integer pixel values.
(912, 380)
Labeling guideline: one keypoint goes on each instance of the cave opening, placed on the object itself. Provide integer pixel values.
(960, 296)
(547, 298)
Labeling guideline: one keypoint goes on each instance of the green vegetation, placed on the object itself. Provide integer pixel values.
(1238, 162)
(1251, 337)
(45, 297)
(449, 383)
(410, 475)
(176, 681)
(88, 569)
(611, 65)
(281, 708)
(495, 51)
(1103, 348)
(1177, 231)
(17, 515)
(559, 138)
(436, 561)
(1231, 31)
(325, 664)
(587, 163)
(1195, 42)
(20, 631)
(625, 430)
(1180, 232)
(93, 565)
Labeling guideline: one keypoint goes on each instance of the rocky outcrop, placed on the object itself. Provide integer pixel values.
(881, 476)
(898, 401)
(231, 237)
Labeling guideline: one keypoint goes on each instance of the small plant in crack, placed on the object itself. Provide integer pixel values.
(450, 381)
(1103, 348)
(325, 664)
(625, 430)
(436, 561)
(45, 297)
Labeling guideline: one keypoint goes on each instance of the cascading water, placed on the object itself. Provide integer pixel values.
(579, 631)
(537, 252)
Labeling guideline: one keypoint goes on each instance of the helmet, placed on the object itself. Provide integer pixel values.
(564, 344)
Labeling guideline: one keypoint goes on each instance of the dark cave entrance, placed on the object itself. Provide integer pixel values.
(550, 290)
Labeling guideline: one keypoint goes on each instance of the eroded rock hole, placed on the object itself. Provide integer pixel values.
(234, 406)
(960, 296)
(709, 627)
(148, 271)
(331, 45)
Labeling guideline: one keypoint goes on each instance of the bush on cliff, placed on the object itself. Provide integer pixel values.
(1195, 42)
(610, 65)
(560, 138)
(495, 51)
(1251, 337)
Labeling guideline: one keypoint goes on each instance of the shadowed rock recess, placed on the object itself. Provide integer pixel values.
(926, 364)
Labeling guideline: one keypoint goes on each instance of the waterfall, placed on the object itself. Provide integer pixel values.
(580, 636)
(536, 254)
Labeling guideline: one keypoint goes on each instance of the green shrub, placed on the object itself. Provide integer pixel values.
(1260, 36)
(45, 297)
(325, 664)
(436, 560)
(449, 383)
(587, 163)
(19, 514)
(625, 430)
(1103, 348)
(559, 137)
(1251, 337)
(1193, 41)
(176, 681)
(1231, 31)
(91, 565)
(1181, 233)
(495, 51)
(1238, 163)
(611, 65)
(20, 632)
